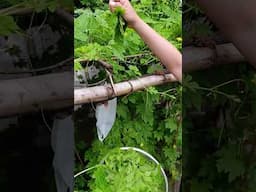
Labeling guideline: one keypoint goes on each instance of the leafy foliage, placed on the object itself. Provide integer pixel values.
(127, 171)
(228, 162)
(10, 25)
(121, 24)
(151, 119)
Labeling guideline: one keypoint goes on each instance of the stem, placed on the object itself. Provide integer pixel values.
(213, 91)
(228, 82)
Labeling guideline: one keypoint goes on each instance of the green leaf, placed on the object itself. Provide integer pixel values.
(121, 24)
(230, 163)
(7, 25)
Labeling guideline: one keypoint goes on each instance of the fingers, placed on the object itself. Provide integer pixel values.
(121, 1)
(113, 1)
(113, 4)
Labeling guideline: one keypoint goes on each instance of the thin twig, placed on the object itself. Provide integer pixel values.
(106, 65)
(31, 20)
(44, 119)
(44, 21)
(111, 82)
(60, 64)
(78, 157)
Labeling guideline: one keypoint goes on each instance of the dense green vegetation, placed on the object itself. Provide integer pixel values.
(149, 119)
(219, 112)
(127, 171)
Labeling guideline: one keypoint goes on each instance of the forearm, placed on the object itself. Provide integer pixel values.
(237, 20)
(164, 50)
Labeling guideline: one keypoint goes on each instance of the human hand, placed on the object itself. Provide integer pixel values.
(130, 14)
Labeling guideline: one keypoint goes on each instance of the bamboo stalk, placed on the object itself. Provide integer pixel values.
(55, 91)
(48, 92)
(102, 93)
(198, 58)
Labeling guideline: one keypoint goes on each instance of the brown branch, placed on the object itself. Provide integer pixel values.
(106, 65)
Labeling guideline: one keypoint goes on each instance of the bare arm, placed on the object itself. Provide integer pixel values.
(237, 20)
(163, 49)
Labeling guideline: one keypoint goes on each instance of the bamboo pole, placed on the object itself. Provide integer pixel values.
(198, 58)
(105, 92)
(52, 91)
(55, 91)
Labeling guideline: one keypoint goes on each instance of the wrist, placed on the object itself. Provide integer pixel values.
(136, 23)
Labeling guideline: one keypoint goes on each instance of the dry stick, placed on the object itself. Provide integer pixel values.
(105, 92)
(106, 65)
(109, 66)
(78, 157)
(137, 55)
